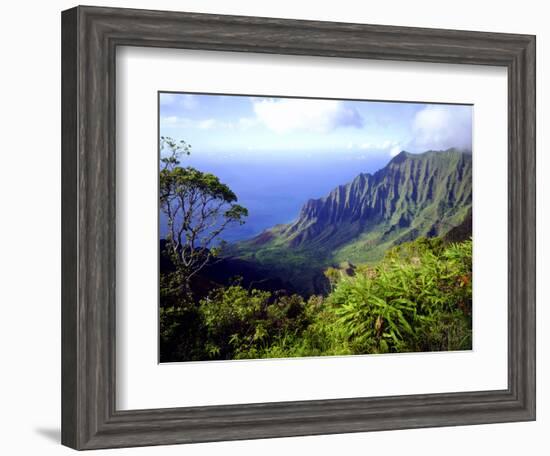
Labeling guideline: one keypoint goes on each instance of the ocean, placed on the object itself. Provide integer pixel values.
(274, 191)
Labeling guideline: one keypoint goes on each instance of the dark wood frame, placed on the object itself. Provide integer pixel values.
(90, 36)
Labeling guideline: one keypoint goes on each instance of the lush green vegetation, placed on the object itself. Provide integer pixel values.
(417, 298)
(410, 289)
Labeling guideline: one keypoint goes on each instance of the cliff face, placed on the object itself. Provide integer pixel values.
(423, 191)
(414, 195)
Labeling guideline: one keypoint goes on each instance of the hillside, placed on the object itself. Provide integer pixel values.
(414, 195)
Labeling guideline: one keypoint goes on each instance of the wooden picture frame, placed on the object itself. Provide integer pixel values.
(90, 36)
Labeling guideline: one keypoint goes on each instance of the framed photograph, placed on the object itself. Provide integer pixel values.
(280, 228)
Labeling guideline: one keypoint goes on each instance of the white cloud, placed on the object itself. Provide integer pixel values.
(202, 124)
(175, 121)
(386, 145)
(435, 127)
(287, 115)
(247, 122)
(395, 150)
(441, 127)
(207, 124)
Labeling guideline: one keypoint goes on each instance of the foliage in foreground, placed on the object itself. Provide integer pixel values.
(418, 298)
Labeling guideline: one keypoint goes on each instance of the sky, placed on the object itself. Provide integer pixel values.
(276, 153)
(247, 127)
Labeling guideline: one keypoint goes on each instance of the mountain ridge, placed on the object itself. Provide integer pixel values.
(414, 195)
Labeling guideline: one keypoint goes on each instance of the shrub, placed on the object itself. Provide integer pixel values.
(243, 323)
(182, 334)
(417, 299)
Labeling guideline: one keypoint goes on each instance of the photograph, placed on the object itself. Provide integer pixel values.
(318, 223)
(299, 227)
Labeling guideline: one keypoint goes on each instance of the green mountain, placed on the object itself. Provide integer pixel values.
(414, 195)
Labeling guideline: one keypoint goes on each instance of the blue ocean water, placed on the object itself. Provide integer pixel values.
(274, 191)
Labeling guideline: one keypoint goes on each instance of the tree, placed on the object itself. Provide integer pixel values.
(198, 208)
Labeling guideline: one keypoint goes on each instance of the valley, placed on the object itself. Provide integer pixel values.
(414, 195)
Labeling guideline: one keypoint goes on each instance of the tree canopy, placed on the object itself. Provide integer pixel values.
(198, 208)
